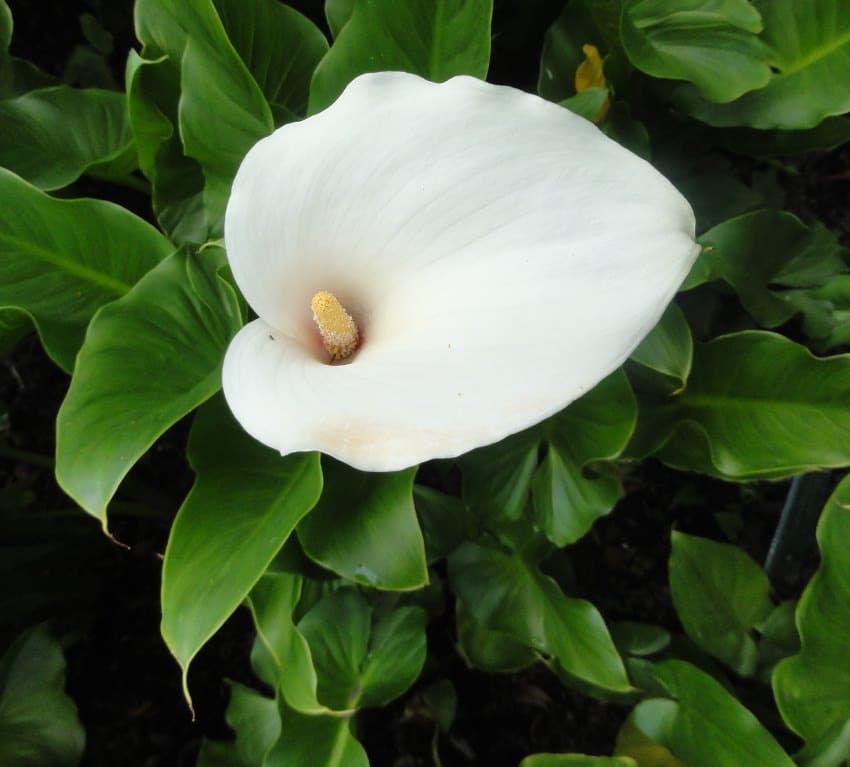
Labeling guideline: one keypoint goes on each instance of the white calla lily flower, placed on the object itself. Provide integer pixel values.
(435, 267)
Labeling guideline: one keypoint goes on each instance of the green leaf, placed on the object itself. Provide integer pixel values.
(63, 259)
(830, 134)
(779, 638)
(222, 110)
(497, 478)
(639, 639)
(640, 735)
(38, 721)
(222, 115)
(360, 661)
(811, 48)
(436, 39)
(508, 593)
(14, 325)
(562, 51)
(217, 754)
(364, 527)
(280, 47)
(246, 501)
(758, 252)
(149, 359)
(51, 137)
(626, 130)
(826, 312)
(440, 700)
(177, 182)
(337, 14)
(711, 185)
(255, 720)
(488, 649)
(720, 594)
(669, 348)
(444, 519)
(272, 602)
(708, 727)
(5, 27)
(567, 500)
(576, 760)
(315, 741)
(756, 406)
(714, 45)
(596, 427)
(812, 688)
(588, 103)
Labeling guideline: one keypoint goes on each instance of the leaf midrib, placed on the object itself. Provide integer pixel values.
(815, 55)
(65, 264)
(711, 401)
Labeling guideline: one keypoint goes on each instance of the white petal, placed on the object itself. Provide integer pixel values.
(500, 254)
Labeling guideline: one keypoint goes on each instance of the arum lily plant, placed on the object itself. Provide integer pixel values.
(383, 268)
(435, 267)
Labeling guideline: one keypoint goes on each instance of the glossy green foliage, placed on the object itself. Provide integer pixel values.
(177, 182)
(810, 46)
(720, 595)
(444, 519)
(148, 359)
(280, 48)
(433, 38)
(812, 688)
(315, 741)
(222, 111)
(212, 80)
(337, 14)
(756, 406)
(342, 654)
(576, 760)
(285, 653)
(362, 660)
(255, 720)
(713, 45)
(702, 724)
(763, 255)
(14, 325)
(826, 312)
(341, 570)
(64, 259)
(566, 499)
(38, 721)
(567, 495)
(669, 348)
(508, 592)
(490, 649)
(248, 500)
(364, 527)
(52, 136)
(588, 103)
(270, 734)
(562, 50)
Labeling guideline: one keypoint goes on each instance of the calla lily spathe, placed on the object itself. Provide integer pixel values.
(498, 254)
